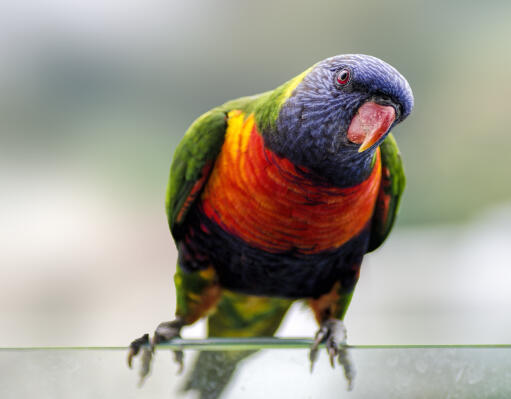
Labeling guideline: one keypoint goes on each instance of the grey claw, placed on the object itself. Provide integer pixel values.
(164, 332)
(135, 348)
(318, 339)
(145, 366)
(333, 333)
(178, 357)
(313, 356)
(345, 361)
(332, 352)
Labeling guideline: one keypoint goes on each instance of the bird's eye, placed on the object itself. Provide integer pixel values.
(343, 76)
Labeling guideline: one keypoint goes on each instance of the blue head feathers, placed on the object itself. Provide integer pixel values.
(312, 127)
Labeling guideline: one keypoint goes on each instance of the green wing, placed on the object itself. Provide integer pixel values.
(392, 185)
(193, 160)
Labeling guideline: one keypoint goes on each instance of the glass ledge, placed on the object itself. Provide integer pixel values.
(279, 369)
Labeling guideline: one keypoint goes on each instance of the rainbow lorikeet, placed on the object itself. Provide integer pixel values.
(278, 196)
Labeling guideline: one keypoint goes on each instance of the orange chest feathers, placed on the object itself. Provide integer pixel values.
(262, 199)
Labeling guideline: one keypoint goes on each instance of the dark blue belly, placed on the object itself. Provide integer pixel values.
(253, 271)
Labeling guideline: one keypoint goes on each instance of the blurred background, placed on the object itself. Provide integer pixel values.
(95, 95)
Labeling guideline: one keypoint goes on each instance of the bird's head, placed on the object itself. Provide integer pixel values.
(340, 110)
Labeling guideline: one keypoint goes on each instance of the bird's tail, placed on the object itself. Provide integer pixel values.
(212, 372)
(237, 316)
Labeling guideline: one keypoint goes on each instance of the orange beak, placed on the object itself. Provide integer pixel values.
(370, 124)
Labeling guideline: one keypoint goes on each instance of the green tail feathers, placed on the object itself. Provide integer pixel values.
(212, 372)
(237, 315)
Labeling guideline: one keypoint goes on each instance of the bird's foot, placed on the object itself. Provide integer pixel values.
(333, 333)
(165, 332)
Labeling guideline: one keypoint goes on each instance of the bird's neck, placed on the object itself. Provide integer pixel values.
(326, 168)
(318, 148)
(347, 172)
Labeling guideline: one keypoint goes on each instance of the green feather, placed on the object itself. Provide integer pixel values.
(200, 145)
(392, 186)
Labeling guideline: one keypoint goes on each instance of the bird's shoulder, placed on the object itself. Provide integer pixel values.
(195, 156)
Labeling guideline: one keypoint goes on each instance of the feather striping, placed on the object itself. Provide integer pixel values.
(263, 199)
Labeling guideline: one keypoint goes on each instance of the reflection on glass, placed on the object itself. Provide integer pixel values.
(279, 369)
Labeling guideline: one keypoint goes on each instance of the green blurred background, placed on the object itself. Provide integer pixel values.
(95, 95)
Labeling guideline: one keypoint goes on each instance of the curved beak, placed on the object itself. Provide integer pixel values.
(370, 123)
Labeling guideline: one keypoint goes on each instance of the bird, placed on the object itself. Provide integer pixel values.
(277, 197)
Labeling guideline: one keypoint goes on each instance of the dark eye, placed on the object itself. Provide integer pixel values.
(343, 76)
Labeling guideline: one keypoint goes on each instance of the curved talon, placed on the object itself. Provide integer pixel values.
(178, 357)
(164, 332)
(135, 348)
(347, 364)
(333, 333)
(145, 364)
(332, 353)
(320, 336)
